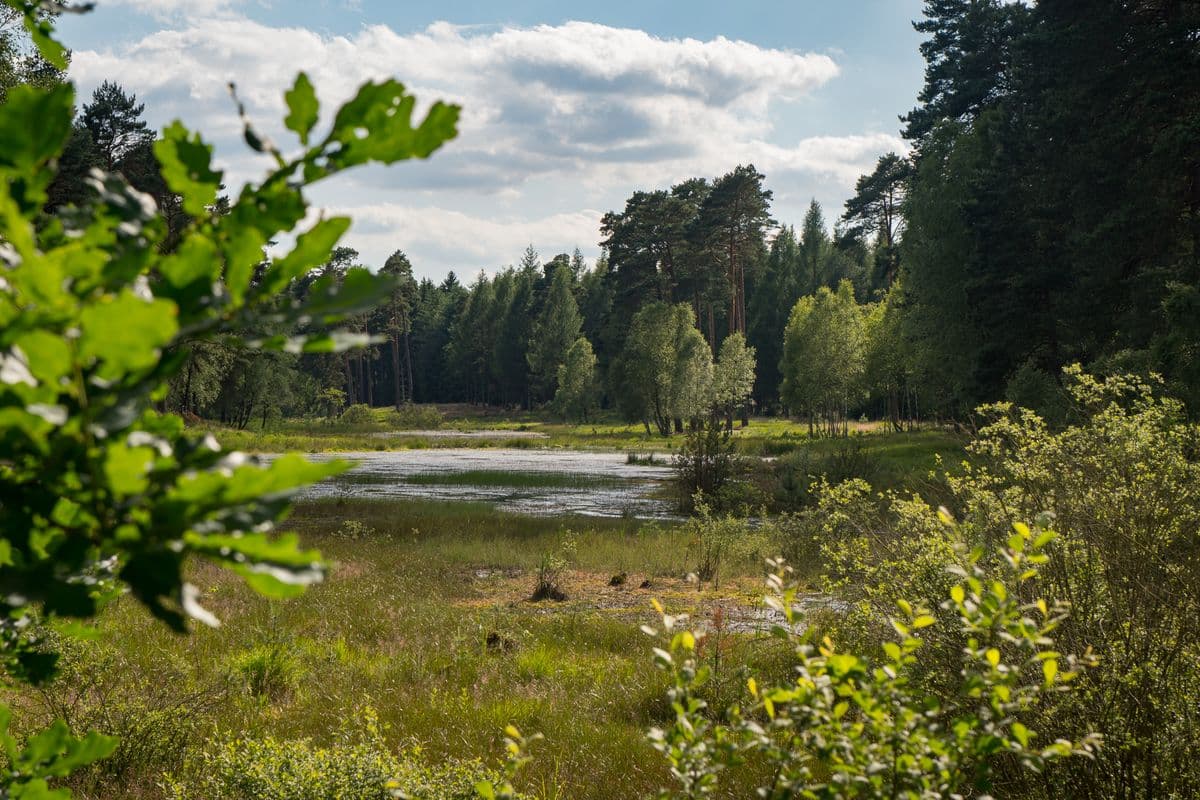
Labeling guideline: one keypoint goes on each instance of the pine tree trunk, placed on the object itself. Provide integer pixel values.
(368, 373)
(733, 281)
(395, 372)
(408, 376)
(187, 386)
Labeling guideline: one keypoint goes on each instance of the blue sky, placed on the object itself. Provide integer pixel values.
(569, 107)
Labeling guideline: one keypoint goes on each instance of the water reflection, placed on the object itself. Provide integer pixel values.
(588, 483)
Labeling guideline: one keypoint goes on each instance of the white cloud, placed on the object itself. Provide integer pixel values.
(453, 237)
(554, 117)
(839, 157)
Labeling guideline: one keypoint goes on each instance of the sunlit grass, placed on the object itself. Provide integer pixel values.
(402, 624)
(764, 436)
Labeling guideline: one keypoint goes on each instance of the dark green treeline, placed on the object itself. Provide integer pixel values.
(1047, 212)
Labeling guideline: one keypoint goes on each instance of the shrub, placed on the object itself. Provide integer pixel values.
(848, 726)
(1033, 388)
(716, 541)
(853, 727)
(357, 766)
(798, 473)
(1122, 487)
(354, 530)
(358, 415)
(706, 467)
(412, 417)
(155, 717)
(551, 566)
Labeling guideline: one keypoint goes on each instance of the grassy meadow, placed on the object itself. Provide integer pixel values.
(425, 619)
(436, 426)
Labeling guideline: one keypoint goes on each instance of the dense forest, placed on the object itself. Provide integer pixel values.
(1003, 246)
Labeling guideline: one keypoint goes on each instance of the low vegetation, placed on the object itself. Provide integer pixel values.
(426, 618)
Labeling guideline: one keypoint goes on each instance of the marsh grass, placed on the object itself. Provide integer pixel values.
(901, 455)
(270, 671)
(403, 624)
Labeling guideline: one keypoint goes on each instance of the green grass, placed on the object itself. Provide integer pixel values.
(905, 459)
(402, 625)
(765, 436)
(474, 534)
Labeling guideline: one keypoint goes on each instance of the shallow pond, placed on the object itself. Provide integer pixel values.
(543, 482)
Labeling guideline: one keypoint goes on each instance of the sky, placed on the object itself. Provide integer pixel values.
(568, 107)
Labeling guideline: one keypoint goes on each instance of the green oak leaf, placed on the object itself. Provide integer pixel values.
(187, 168)
(302, 107)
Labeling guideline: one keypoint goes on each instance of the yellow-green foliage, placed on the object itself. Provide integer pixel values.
(851, 726)
(358, 765)
(1122, 487)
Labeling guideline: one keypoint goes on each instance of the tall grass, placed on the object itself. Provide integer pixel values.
(403, 624)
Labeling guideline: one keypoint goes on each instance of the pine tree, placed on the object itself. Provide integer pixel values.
(556, 329)
(775, 292)
(398, 323)
(731, 224)
(814, 249)
(874, 210)
(114, 119)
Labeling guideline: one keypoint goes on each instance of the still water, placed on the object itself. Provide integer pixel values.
(589, 483)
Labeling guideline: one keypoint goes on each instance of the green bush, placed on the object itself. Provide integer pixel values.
(848, 726)
(1122, 487)
(852, 726)
(358, 765)
(798, 473)
(552, 565)
(358, 415)
(1034, 388)
(102, 492)
(708, 469)
(412, 417)
(155, 716)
